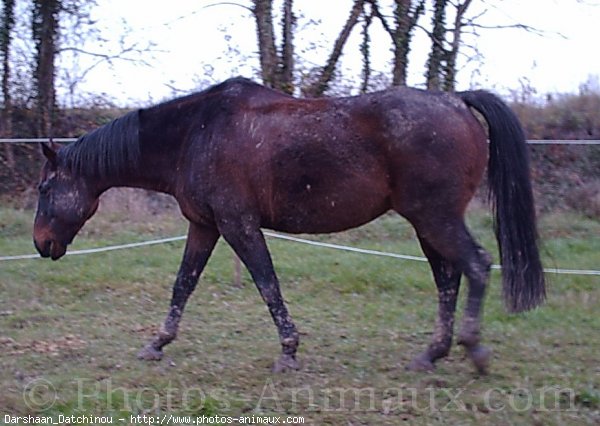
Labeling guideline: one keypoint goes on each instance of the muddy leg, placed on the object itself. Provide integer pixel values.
(249, 244)
(477, 270)
(447, 279)
(200, 243)
(448, 236)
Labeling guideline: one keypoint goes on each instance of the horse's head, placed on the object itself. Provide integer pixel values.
(66, 201)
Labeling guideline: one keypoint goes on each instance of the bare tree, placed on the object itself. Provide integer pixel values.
(445, 43)
(365, 50)
(266, 41)
(287, 47)
(437, 53)
(276, 67)
(8, 21)
(45, 35)
(65, 29)
(277, 62)
(405, 17)
(451, 53)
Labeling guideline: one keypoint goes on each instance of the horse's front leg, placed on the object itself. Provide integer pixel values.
(200, 243)
(248, 242)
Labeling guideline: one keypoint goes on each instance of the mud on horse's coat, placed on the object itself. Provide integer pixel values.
(239, 157)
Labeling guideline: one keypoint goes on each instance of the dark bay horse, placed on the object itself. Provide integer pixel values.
(239, 157)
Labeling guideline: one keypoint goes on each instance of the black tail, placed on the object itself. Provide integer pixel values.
(510, 191)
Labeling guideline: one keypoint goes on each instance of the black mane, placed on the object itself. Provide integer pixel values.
(111, 149)
(114, 148)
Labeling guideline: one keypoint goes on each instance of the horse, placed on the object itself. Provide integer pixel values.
(239, 157)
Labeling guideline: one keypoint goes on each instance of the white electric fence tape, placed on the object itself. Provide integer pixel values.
(288, 238)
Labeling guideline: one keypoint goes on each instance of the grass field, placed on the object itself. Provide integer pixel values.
(70, 330)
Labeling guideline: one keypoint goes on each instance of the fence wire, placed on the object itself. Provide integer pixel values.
(287, 238)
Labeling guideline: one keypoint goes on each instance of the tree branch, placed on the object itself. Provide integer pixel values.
(229, 3)
(525, 27)
(319, 87)
(381, 17)
(105, 56)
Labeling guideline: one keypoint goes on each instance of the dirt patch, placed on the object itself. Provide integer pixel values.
(62, 344)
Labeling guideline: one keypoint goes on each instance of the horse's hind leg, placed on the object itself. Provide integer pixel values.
(478, 270)
(200, 243)
(450, 238)
(447, 279)
(248, 242)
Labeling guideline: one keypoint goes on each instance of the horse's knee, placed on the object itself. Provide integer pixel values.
(477, 267)
(485, 259)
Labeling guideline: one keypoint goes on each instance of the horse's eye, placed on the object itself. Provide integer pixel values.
(43, 188)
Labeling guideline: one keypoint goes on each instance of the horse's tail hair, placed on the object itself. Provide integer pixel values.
(511, 195)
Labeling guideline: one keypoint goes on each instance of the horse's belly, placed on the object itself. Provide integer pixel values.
(321, 186)
(313, 211)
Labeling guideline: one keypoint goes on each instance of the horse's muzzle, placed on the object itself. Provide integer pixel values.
(50, 248)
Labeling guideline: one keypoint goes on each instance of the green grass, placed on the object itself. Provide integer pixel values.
(69, 332)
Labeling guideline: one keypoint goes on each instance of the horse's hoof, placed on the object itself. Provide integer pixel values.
(421, 364)
(480, 355)
(148, 353)
(285, 363)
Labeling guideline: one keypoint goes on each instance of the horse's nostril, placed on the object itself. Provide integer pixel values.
(43, 248)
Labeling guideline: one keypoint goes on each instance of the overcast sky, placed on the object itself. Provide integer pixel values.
(194, 44)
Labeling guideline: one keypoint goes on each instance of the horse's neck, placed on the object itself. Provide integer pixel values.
(156, 170)
(162, 132)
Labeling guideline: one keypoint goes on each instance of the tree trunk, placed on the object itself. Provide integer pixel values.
(277, 69)
(8, 20)
(405, 19)
(365, 50)
(286, 83)
(406, 15)
(437, 54)
(266, 41)
(277, 66)
(452, 54)
(45, 30)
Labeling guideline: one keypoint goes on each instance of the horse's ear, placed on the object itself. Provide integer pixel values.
(49, 150)
(55, 147)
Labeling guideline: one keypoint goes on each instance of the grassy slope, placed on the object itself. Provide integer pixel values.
(79, 322)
